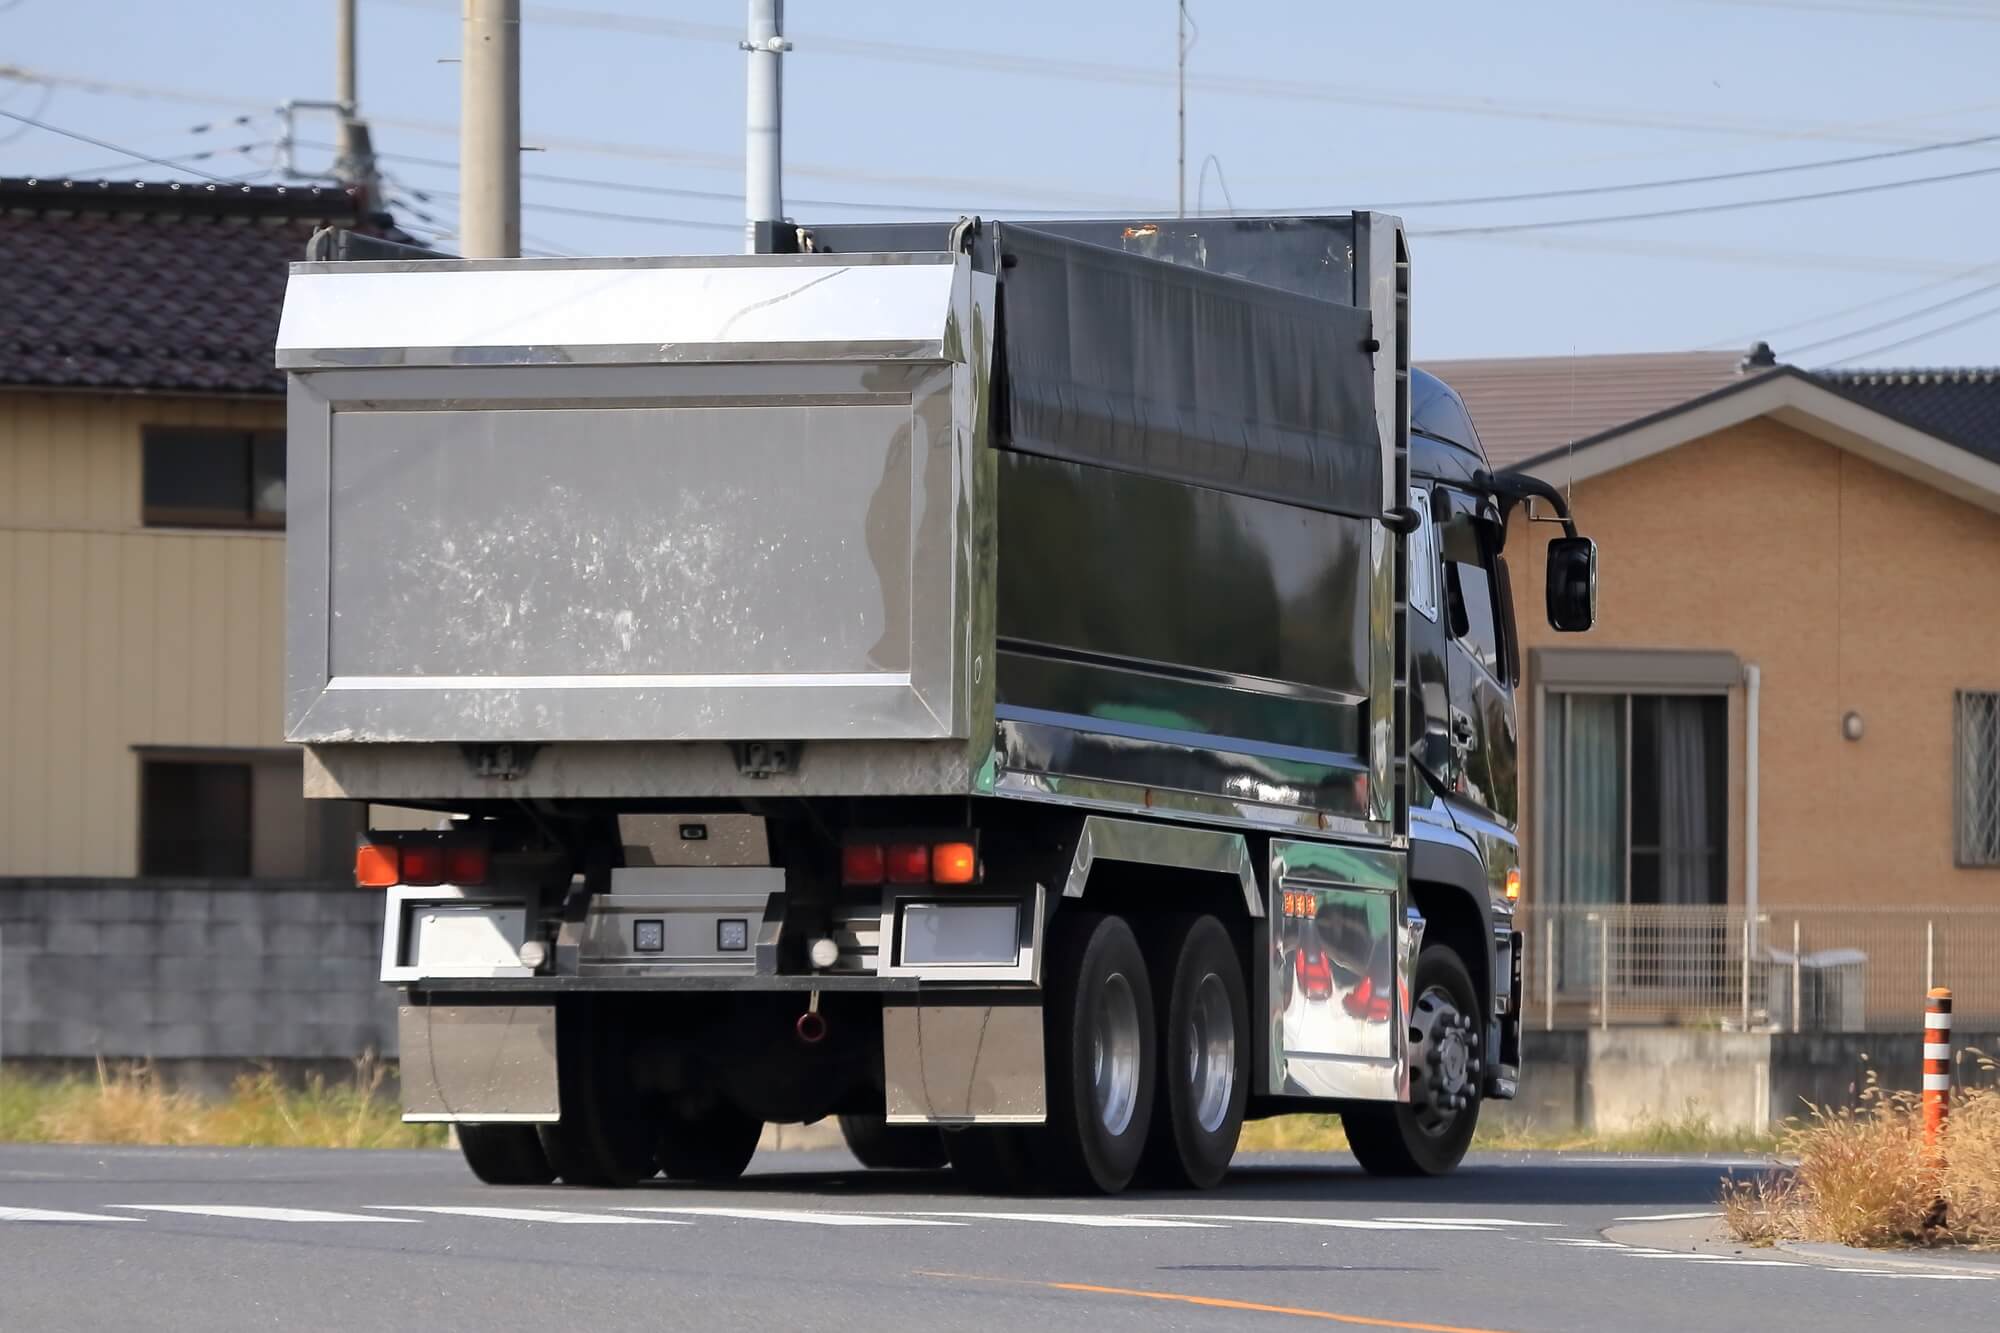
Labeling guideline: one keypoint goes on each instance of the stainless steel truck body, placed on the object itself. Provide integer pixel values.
(1041, 693)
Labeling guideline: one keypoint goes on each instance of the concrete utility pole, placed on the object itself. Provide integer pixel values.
(489, 129)
(1180, 104)
(354, 158)
(764, 120)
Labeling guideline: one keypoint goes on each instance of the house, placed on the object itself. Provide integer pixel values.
(1790, 706)
(142, 517)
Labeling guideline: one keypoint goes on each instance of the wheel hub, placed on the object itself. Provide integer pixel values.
(1443, 1067)
(1211, 1053)
(1114, 1054)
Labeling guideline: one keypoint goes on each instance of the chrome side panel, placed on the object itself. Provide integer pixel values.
(973, 1062)
(1338, 973)
(727, 500)
(1168, 845)
(478, 1063)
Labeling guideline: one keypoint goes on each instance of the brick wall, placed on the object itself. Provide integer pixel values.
(191, 970)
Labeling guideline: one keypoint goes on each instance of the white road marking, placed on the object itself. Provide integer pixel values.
(1073, 1219)
(560, 1216)
(1472, 1221)
(1666, 1217)
(807, 1216)
(57, 1215)
(1344, 1223)
(1586, 1244)
(249, 1214)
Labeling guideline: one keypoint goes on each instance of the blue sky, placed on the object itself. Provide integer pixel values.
(1010, 107)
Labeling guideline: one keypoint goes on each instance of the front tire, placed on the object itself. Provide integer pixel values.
(1204, 1061)
(1429, 1134)
(880, 1146)
(505, 1154)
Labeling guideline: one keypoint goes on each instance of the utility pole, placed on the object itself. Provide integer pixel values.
(1181, 49)
(764, 119)
(489, 129)
(354, 156)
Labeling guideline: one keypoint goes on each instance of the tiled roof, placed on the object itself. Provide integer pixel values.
(1526, 406)
(1961, 406)
(151, 285)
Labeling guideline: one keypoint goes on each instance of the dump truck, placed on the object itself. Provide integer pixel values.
(1039, 692)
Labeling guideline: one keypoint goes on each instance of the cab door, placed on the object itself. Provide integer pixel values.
(1481, 657)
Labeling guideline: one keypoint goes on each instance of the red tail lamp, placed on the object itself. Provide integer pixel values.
(466, 865)
(863, 863)
(423, 864)
(909, 863)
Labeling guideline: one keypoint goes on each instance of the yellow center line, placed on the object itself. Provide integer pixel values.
(1215, 1303)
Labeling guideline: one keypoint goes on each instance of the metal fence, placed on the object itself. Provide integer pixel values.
(1813, 969)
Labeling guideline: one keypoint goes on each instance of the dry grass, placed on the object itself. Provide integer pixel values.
(1688, 1133)
(1863, 1177)
(129, 1104)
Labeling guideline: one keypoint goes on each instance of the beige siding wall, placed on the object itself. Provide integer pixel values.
(114, 635)
(1851, 587)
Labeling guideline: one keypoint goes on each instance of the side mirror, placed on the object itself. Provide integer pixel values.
(1572, 584)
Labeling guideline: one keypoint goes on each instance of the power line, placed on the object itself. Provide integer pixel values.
(1893, 321)
(1872, 303)
(565, 209)
(1925, 336)
(111, 147)
(89, 173)
(1902, 11)
(1670, 182)
(1100, 73)
(1697, 209)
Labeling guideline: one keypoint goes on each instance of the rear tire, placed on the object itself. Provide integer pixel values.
(714, 1147)
(505, 1154)
(605, 1137)
(1101, 1050)
(1204, 1055)
(880, 1146)
(1429, 1134)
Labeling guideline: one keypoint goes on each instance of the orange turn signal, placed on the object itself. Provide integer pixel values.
(954, 863)
(377, 866)
(1513, 886)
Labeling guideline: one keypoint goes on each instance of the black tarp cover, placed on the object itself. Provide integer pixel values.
(1120, 361)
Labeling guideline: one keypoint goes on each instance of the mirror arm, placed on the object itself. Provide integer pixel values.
(1511, 488)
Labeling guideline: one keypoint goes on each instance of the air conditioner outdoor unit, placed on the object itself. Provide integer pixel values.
(1832, 989)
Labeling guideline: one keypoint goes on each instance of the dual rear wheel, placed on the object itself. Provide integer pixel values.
(1148, 1055)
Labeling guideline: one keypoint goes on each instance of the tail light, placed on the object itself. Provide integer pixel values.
(865, 864)
(909, 863)
(423, 864)
(466, 865)
(377, 865)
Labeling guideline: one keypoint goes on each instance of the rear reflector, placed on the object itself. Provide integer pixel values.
(862, 863)
(954, 863)
(376, 866)
(423, 863)
(909, 863)
(466, 865)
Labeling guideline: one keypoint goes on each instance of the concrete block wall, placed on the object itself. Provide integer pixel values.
(177, 970)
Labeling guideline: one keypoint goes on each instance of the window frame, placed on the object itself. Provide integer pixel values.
(252, 443)
(1963, 856)
(1424, 554)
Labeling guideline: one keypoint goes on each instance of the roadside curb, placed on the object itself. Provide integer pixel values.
(1850, 1255)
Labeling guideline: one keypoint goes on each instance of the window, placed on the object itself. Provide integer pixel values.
(1423, 560)
(212, 478)
(1637, 799)
(235, 814)
(1469, 591)
(1978, 731)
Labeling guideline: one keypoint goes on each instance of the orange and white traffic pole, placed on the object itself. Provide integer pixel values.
(1937, 1067)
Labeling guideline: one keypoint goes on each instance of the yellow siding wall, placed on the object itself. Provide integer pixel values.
(1851, 587)
(114, 635)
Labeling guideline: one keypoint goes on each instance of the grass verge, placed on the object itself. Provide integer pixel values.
(1689, 1133)
(129, 1104)
(1864, 1178)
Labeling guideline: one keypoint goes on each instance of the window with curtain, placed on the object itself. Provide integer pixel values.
(1636, 790)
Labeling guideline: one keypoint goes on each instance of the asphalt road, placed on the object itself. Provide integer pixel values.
(169, 1239)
